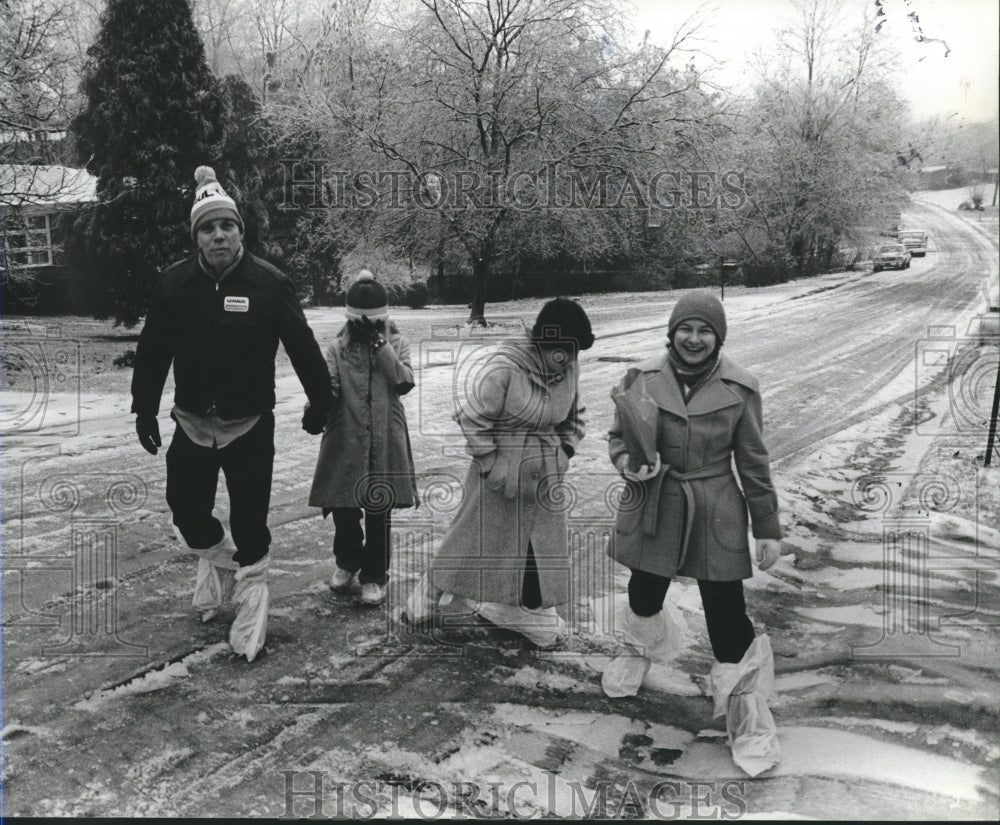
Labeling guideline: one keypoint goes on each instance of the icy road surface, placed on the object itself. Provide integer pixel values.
(882, 611)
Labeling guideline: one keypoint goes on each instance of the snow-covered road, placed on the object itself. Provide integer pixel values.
(118, 701)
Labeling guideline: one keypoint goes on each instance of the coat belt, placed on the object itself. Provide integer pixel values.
(513, 446)
(651, 510)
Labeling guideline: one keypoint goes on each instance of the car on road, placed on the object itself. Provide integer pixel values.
(891, 256)
(915, 240)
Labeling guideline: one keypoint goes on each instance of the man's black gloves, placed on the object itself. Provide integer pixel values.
(313, 419)
(148, 430)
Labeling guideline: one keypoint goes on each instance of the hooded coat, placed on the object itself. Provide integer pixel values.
(692, 518)
(365, 458)
(521, 425)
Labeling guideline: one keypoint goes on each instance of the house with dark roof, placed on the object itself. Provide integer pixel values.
(36, 203)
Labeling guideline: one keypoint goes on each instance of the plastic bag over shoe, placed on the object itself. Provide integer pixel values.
(740, 691)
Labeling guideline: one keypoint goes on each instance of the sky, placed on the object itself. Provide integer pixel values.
(964, 84)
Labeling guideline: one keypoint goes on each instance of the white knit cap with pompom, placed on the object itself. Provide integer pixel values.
(211, 201)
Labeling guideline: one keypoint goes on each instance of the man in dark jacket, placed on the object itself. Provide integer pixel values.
(217, 317)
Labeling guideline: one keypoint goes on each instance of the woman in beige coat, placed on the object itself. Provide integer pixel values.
(684, 514)
(506, 551)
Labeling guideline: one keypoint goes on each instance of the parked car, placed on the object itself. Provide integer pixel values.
(915, 240)
(891, 256)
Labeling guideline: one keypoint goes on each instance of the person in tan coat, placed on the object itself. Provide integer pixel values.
(684, 514)
(365, 465)
(506, 551)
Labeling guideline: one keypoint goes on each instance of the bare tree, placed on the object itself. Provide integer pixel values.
(257, 39)
(819, 141)
(226, 32)
(37, 73)
(474, 103)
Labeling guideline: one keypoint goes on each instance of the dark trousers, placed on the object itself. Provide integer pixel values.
(531, 587)
(729, 628)
(192, 478)
(367, 551)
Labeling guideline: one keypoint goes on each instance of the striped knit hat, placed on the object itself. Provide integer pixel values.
(367, 297)
(211, 201)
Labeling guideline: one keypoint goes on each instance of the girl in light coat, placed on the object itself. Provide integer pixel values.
(365, 466)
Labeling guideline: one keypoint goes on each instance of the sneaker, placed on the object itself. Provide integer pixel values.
(341, 579)
(372, 593)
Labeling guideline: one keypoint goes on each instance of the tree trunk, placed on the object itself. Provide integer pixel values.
(480, 277)
(477, 309)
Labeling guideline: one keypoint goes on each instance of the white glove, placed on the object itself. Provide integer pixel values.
(644, 473)
(768, 552)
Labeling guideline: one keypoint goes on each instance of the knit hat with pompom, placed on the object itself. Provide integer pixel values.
(367, 297)
(211, 201)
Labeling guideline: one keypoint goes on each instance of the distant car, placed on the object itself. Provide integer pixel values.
(915, 240)
(891, 256)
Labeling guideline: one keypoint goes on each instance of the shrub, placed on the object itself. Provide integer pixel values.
(416, 295)
(126, 359)
(766, 273)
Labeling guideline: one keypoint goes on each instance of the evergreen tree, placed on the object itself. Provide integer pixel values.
(153, 113)
(246, 157)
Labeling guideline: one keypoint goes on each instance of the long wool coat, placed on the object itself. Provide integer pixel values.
(365, 458)
(696, 492)
(520, 428)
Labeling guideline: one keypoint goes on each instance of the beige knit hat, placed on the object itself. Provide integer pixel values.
(702, 305)
(211, 201)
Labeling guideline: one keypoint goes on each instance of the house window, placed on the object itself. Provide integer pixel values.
(28, 240)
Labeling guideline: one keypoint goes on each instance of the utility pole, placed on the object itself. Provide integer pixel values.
(991, 438)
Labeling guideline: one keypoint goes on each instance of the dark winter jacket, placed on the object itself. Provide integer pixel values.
(222, 340)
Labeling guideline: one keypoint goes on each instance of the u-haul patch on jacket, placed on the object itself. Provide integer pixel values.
(234, 303)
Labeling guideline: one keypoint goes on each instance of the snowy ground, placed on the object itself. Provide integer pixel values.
(882, 610)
